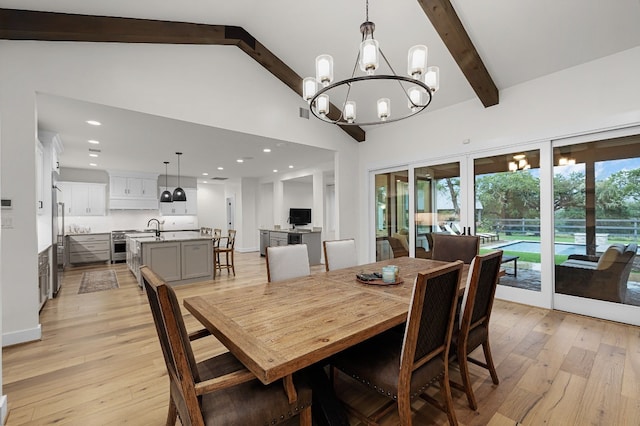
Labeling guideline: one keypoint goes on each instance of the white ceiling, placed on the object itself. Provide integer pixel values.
(517, 40)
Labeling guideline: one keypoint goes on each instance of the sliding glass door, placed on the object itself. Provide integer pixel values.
(597, 222)
(507, 216)
(391, 194)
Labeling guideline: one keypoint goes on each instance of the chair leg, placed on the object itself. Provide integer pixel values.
(445, 388)
(305, 416)
(466, 380)
(233, 264)
(172, 415)
(489, 359)
(404, 410)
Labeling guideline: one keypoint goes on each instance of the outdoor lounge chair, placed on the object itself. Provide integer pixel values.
(597, 277)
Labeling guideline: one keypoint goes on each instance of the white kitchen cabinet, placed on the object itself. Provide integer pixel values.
(83, 199)
(128, 190)
(181, 208)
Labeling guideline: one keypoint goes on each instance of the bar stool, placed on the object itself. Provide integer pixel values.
(227, 250)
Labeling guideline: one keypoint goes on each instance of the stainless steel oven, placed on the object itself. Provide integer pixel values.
(119, 245)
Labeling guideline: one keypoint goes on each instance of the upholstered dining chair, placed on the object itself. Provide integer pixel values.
(225, 247)
(218, 390)
(454, 247)
(473, 324)
(339, 254)
(284, 262)
(401, 366)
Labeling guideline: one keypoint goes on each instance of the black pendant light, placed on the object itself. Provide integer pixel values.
(178, 193)
(166, 197)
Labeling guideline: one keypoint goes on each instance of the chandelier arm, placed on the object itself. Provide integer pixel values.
(349, 81)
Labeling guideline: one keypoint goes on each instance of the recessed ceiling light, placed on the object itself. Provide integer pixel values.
(266, 150)
(94, 122)
(291, 166)
(93, 141)
(275, 170)
(205, 174)
(220, 168)
(93, 155)
(204, 181)
(93, 164)
(240, 160)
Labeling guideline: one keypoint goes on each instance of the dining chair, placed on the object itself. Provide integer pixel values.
(454, 247)
(473, 324)
(339, 254)
(218, 390)
(401, 366)
(227, 250)
(284, 262)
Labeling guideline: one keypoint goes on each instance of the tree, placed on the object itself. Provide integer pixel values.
(509, 195)
(569, 193)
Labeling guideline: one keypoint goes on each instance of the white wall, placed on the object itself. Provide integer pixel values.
(296, 195)
(265, 206)
(211, 208)
(598, 95)
(180, 82)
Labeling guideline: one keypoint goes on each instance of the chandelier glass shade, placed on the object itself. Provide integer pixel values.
(166, 196)
(355, 96)
(519, 163)
(178, 193)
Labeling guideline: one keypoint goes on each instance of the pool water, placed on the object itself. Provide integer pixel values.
(534, 247)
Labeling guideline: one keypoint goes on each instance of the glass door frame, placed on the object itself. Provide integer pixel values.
(543, 298)
(620, 312)
(371, 222)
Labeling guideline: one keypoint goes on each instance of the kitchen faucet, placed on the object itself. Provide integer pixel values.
(157, 226)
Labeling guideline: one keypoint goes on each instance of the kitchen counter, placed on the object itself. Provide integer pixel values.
(179, 257)
(173, 236)
(282, 237)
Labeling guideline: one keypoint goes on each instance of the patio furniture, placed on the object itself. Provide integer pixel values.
(597, 277)
(514, 259)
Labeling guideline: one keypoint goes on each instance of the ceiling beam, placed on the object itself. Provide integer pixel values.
(445, 20)
(51, 26)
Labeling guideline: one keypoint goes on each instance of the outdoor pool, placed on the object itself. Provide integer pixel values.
(534, 247)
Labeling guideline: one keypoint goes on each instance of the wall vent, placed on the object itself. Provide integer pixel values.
(304, 113)
(219, 178)
(94, 150)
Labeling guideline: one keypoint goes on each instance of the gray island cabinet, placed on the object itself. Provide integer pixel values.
(283, 237)
(178, 257)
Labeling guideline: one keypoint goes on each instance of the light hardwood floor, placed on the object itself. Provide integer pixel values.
(99, 363)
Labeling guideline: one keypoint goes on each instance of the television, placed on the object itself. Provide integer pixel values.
(299, 216)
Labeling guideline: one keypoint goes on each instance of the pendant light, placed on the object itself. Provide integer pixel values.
(178, 193)
(166, 197)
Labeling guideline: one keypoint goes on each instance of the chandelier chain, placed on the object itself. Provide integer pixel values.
(367, 12)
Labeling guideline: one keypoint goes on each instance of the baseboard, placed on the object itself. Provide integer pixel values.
(4, 411)
(22, 336)
(247, 250)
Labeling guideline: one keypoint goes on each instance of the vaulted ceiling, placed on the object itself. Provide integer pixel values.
(480, 47)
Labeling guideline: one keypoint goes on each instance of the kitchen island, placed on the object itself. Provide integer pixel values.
(178, 257)
(283, 237)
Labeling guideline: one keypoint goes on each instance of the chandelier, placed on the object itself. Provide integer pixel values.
(416, 89)
(519, 163)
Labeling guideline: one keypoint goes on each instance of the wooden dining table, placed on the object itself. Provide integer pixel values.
(278, 328)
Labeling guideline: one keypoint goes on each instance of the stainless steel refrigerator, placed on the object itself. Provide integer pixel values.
(58, 240)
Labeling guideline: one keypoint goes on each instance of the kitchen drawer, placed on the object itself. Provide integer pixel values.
(89, 238)
(88, 246)
(87, 257)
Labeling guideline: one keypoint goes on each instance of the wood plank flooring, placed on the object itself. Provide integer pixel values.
(99, 363)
